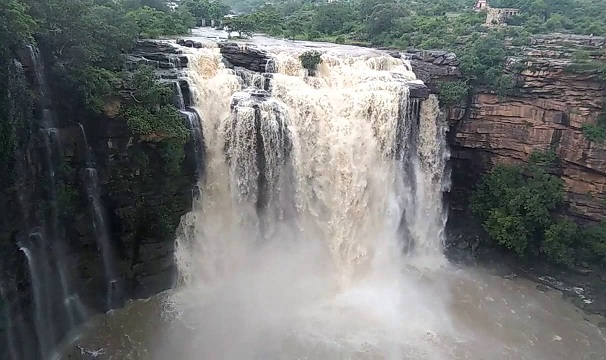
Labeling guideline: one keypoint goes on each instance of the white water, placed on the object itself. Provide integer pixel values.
(310, 261)
(288, 274)
(50, 256)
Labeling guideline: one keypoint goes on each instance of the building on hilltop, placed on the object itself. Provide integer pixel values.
(495, 16)
(481, 4)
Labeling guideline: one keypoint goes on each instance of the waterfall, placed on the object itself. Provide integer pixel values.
(57, 308)
(193, 120)
(42, 293)
(100, 225)
(319, 196)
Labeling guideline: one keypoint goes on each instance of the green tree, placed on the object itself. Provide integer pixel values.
(243, 25)
(204, 10)
(153, 23)
(383, 18)
(331, 18)
(310, 60)
(517, 205)
(16, 25)
(452, 92)
(594, 239)
(560, 238)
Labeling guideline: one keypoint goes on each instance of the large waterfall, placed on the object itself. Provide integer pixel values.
(317, 227)
(316, 195)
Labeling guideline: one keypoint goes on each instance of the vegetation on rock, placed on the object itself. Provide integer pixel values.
(84, 43)
(520, 207)
(310, 60)
(452, 92)
(595, 132)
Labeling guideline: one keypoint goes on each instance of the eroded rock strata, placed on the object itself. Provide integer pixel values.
(547, 110)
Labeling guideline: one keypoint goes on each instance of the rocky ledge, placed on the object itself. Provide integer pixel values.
(433, 65)
(554, 98)
(249, 57)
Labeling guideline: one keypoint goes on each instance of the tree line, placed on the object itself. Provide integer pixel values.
(85, 43)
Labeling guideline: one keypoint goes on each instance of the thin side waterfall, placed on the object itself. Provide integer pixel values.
(66, 312)
(100, 225)
(16, 335)
(43, 316)
(179, 101)
(175, 61)
(193, 122)
(193, 119)
(322, 204)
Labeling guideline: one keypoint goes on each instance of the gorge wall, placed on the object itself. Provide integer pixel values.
(553, 99)
(90, 209)
(87, 170)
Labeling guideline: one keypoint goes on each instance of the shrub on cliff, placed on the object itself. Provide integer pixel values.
(517, 205)
(151, 112)
(560, 238)
(594, 240)
(452, 92)
(310, 60)
(596, 132)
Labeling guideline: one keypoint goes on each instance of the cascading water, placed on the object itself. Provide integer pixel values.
(41, 293)
(192, 118)
(312, 187)
(317, 231)
(54, 313)
(100, 226)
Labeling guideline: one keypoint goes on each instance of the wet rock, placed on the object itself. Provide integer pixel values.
(510, 276)
(463, 245)
(248, 56)
(419, 91)
(189, 43)
(154, 47)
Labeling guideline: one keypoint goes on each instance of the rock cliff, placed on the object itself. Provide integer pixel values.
(83, 194)
(555, 96)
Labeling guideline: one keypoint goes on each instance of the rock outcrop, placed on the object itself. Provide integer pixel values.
(433, 65)
(74, 172)
(248, 57)
(554, 98)
(251, 58)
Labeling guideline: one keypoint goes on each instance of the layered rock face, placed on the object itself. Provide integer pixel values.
(89, 209)
(554, 98)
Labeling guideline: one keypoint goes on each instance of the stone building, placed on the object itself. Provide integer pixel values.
(495, 16)
(481, 4)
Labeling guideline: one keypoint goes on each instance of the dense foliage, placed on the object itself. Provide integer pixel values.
(442, 24)
(204, 11)
(84, 43)
(519, 209)
(595, 132)
(453, 92)
(310, 60)
(152, 23)
(16, 27)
